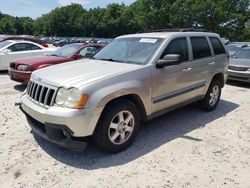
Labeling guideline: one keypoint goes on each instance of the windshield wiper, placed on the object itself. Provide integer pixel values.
(110, 59)
(54, 55)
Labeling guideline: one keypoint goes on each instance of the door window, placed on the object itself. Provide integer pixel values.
(200, 47)
(217, 46)
(177, 46)
(23, 47)
(88, 51)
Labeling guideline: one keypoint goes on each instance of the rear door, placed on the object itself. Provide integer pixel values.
(202, 61)
(221, 58)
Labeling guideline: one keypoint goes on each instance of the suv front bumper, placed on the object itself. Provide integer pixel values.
(57, 134)
(62, 126)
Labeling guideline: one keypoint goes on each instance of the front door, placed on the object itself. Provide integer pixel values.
(178, 83)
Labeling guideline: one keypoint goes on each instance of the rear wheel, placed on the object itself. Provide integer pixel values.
(118, 126)
(212, 97)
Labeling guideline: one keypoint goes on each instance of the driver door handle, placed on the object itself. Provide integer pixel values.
(187, 69)
(212, 63)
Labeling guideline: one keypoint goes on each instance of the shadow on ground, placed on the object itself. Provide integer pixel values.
(20, 87)
(238, 84)
(153, 135)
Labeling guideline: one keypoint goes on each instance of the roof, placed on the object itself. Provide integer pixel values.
(167, 34)
(23, 41)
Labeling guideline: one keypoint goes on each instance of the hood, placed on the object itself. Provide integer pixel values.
(40, 60)
(239, 62)
(81, 72)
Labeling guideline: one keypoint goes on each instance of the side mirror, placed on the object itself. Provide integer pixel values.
(168, 60)
(77, 56)
(6, 51)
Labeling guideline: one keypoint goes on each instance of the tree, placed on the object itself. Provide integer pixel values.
(227, 17)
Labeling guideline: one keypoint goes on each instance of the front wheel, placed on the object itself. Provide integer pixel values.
(118, 126)
(212, 97)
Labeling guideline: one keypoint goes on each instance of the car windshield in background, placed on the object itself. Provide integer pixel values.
(66, 51)
(232, 49)
(242, 54)
(4, 43)
(129, 50)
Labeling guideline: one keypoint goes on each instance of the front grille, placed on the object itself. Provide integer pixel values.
(237, 77)
(44, 95)
(238, 68)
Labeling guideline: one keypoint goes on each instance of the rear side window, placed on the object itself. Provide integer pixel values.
(177, 46)
(23, 47)
(200, 47)
(32, 47)
(217, 46)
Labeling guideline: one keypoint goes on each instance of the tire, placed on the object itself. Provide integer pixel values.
(118, 126)
(212, 97)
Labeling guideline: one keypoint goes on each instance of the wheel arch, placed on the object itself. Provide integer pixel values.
(133, 98)
(219, 77)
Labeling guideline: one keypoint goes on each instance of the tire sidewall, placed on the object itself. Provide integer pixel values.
(101, 135)
(209, 106)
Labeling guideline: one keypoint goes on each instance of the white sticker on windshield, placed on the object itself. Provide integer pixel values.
(148, 40)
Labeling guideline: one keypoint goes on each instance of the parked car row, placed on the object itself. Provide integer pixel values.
(64, 42)
(25, 38)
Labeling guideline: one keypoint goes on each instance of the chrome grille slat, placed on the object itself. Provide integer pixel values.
(44, 95)
(41, 95)
(30, 88)
(34, 91)
(53, 99)
(37, 90)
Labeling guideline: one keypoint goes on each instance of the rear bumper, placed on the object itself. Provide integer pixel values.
(19, 76)
(60, 135)
(239, 76)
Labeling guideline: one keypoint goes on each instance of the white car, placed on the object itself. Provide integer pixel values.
(10, 50)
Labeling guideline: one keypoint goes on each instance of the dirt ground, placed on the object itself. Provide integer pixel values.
(185, 148)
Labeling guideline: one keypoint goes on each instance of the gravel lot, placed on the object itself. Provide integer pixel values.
(185, 148)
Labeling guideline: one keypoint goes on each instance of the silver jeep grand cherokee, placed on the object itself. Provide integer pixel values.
(136, 77)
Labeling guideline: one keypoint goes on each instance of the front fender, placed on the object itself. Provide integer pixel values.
(101, 97)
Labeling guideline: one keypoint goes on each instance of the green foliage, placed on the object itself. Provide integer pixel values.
(229, 18)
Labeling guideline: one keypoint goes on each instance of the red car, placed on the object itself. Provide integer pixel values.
(20, 70)
(32, 39)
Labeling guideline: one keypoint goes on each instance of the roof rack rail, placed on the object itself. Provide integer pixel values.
(176, 30)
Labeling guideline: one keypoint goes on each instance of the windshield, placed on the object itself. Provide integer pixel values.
(233, 49)
(129, 50)
(66, 51)
(242, 54)
(4, 43)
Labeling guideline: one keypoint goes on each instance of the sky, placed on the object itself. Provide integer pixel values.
(35, 8)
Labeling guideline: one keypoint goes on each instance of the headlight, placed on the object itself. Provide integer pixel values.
(71, 98)
(22, 67)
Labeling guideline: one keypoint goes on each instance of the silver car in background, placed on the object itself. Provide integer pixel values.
(239, 66)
